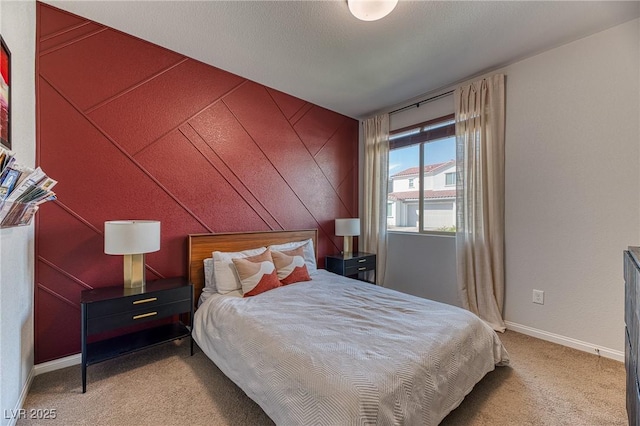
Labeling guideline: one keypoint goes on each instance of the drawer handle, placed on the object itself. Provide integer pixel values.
(150, 314)
(151, 299)
(362, 260)
(364, 268)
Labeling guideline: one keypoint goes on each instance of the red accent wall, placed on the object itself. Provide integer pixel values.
(134, 131)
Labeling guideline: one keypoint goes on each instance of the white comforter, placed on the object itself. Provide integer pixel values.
(336, 351)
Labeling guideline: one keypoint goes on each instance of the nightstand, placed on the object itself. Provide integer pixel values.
(352, 265)
(112, 308)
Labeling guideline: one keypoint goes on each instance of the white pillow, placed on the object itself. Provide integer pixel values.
(208, 274)
(225, 277)
(308, 251)
(209, 284)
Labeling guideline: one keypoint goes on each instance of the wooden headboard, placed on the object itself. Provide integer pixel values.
(200, 247)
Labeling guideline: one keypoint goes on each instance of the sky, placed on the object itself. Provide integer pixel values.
(438, 151)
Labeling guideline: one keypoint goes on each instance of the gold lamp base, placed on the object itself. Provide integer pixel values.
(134, 272)
(347, 249)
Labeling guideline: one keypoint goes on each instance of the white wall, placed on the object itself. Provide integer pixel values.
(572, 119)
(17, 26)
(422, 265)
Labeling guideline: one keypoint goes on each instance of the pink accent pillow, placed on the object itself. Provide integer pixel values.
(257, 274)
(308, 250)
(291, 266)
(225, 279)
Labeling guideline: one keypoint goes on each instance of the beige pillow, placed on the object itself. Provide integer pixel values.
(257, 274)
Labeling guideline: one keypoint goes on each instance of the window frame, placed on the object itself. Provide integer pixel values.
(426, 131)
(421, 134)
(446, 175)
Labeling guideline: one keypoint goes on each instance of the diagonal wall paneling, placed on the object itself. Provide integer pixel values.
(134, 131)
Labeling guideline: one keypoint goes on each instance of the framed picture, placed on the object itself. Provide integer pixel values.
(5, 100)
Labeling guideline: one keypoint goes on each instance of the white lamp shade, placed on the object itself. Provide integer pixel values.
(347, 227)
(131, 236)
(371, 10)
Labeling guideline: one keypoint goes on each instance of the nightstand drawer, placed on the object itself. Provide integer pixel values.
(137, 316)
(148, 301)
(363, 267)
(359, 262)
(351, 265)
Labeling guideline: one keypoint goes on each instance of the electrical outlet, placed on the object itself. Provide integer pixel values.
(538, 297)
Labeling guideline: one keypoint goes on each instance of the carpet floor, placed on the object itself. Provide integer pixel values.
(546, 384)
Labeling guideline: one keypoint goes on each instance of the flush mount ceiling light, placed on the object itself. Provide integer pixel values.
(371, 10)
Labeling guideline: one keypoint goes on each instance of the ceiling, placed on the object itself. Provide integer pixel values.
(317, 51)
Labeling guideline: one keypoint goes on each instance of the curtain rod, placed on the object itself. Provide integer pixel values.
(417, 104)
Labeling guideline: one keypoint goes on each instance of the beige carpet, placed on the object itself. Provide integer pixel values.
(546, 384)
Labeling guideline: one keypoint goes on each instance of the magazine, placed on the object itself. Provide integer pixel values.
(22, 190)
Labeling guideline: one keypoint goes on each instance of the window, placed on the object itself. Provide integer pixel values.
(450, 178)
(422, 176)
(389, 209)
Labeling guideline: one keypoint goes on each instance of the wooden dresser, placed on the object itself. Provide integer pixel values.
(632, 331)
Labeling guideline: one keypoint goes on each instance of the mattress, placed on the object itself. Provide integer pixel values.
(340, 351)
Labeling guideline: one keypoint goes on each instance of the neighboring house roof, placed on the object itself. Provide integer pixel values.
(428, 195)
(427, 169)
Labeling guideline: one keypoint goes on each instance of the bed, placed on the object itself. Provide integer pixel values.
(337, 351)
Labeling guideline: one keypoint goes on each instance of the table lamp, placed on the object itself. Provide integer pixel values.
(348, 228)
(132, 238)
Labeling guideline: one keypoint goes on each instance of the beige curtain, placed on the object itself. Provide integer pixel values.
(480, 111)
(376, 175)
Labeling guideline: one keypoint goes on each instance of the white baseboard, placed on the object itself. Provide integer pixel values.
(566, 341)
(23, 395)
(57, 364)
(45, 367)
